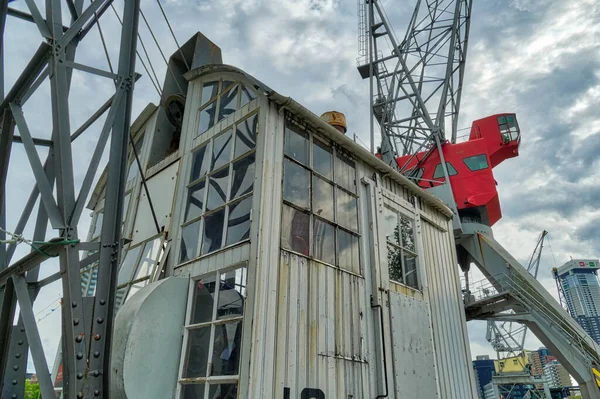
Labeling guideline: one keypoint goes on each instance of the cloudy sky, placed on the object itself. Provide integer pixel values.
(537, 58)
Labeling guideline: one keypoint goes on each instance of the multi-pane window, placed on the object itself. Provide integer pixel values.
(220, 99)
(401, 249)
(509, 129)
(138, 265)
(320, 211)
(211, 356)
(219, 193)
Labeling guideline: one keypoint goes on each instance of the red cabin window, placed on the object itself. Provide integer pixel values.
(476, 162)
(439, 171)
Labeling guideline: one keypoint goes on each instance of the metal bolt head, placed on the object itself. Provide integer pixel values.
(95, 373)
(75, 322)
(100, 320)
(20, 342)
(96, 393)
(17, 355)
(15, 382)
(74, 304)
(79, 376)
(79, 395)
(78, 338)
(22, 329)
(97, 337)
(15, 367)
(102, 301)
(96, 354)
(14, 396)
(79, 355)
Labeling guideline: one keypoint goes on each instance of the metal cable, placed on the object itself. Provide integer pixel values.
(161, 52)
(173, 34)
(156, 86)
(103, 41)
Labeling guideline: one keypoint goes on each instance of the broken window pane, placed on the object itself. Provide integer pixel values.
(231, 294)
(345, 174)
(207, 117)
(348, 257)
(189, 241)
(192, 391)
(226, 349)
(347, 210)
(247, 95)
(223, 391)
(296, 184)
(323, 241)
(389, 225)
(394, 256)
(209, 90)
(129, 262)
(238, 225)
(408, 237)
(217, 189)
(322, 198)
(294, 230)
(221, 150)
(203, 300)
(228, 104)
(195, 201)
(213, 231)
(322, 159)
(148, 259)
(296, 144)
(199, 164)
(246, 135)
(197, 352)
(243, 176)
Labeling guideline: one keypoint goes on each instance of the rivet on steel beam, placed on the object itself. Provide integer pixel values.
(75, 322)
(15, 367)
(79, 395)
(100, 320)
(20, 342)
(97, 337)
(95, 373)
(15, 382)
(78, 338)
(79, 376)
(79, 355)
(14, 396)
(22, 329)
(102, 301)
(96, 354)
(96, 393)
(74, 304)
(17, 355)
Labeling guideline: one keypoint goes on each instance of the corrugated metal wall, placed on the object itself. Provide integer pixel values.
(321, 330)
(453, 356)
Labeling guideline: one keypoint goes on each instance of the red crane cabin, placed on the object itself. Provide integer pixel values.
(492, 140)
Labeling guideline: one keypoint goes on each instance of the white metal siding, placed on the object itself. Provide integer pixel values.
(320, 330)
(452, 351)
(412, 348)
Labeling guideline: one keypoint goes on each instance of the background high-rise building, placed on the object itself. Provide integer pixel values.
(578, 282)
(484, 370)
(556, 375)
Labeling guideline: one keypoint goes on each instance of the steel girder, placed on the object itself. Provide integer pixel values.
(86, 333)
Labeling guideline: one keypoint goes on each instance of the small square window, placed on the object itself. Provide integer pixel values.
(322, 198)
(228, 104)
(212, 238)
(243, 176)
(247, 96)
(245, 135)
(296, 186)
(217, 189)
(221, 150)
(296, 144)
(324, 241)
(294, 230)
(238, 225)
(209, 91)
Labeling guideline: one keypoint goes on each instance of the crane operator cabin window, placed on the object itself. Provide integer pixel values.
(320, 200)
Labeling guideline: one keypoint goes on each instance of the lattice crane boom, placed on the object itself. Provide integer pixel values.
(416, 84)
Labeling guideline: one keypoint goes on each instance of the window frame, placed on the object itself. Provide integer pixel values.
(206, 178)
(335, 151)
(451, 171)
(212, 324)
(487, 164)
